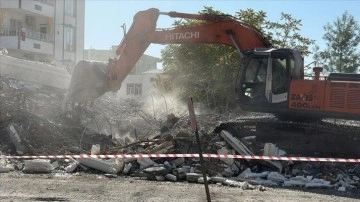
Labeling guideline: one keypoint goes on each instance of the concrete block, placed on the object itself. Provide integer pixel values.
(107, 166)
(193, 177)
(171, 177)
(276, 177)
(72, 167)
(5, 169)
(145, 162)
(156, 171)
(127, 168)
(271, 149)
(317, 185)
(201, 179)
(160, 178)
(37, 166)
(178, 161)
(218, 179)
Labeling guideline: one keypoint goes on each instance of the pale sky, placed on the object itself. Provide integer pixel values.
(103, 18)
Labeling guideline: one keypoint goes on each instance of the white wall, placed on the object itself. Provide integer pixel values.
(46, 10)
(45, 47)
(9, 3)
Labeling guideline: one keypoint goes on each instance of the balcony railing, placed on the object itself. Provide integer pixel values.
(29, 34)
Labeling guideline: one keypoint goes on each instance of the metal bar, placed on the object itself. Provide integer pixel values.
(194, 127)
(235, 44)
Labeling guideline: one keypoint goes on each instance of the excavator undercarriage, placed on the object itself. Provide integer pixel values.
(325, 138)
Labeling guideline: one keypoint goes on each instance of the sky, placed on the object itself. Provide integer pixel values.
(104, 18)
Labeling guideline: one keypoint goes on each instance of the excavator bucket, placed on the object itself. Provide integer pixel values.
(88, 82)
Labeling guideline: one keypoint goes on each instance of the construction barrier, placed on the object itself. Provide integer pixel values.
(225, 156)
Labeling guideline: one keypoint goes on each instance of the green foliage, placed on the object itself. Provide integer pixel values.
(208, 72)
(285, 34)
(342, 40)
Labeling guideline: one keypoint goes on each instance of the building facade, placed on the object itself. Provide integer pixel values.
(50, 31)
(140, 81)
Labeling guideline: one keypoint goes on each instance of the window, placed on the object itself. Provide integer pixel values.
(69, 40)
(133, 89)
(70, 7)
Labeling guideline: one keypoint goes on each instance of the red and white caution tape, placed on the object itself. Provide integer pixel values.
(124, 156)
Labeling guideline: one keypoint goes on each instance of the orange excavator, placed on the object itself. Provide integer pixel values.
(271, 79)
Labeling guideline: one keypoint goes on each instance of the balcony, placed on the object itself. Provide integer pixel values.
(34, 41)
(29, 34)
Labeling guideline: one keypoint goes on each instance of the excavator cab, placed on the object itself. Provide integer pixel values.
(265, 79)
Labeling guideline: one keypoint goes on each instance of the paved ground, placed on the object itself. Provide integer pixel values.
(17, 186)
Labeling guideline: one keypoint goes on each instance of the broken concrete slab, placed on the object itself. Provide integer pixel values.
(162, 148)
(145, 162)
(193, 177)
(107, 166)
(4, 169)
(294, 183)
(235, 143)
(247, 174)
(271, 149)
(202, 181)
(160, 178)
(242, 149)
(276, 177)
(16, 139)
(127, 168)
(37, 166)
(156, 171)
(72, 167)
(178, 161)
(171, 177)
(218, 179)
(317, 185)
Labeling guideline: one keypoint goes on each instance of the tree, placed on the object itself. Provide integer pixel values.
(208, 72)
(342, 40)
(285, 34)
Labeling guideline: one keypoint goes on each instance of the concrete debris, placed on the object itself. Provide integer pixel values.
(71, 168)
(107, 166)
(145, 162)
(276, 177)
(95, 149)
(32, 125)
(202, 181)
(127, 168)
(5, 167)
(37, 166)
(193, 177)
(271, 149)
(156, 171)
(178, 161)
(160, 178)
(225, 150)
(16, 140)
(171, 177)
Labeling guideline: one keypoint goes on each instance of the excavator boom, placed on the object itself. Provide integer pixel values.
(212, 29)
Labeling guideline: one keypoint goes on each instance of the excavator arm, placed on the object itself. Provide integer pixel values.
(212, 29)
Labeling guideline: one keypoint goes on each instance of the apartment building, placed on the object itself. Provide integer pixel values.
(140, 81)
(50, 31)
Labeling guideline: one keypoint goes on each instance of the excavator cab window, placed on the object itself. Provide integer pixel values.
(255, 78)
(266, 77)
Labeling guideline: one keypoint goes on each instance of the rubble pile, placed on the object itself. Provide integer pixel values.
(32, 122)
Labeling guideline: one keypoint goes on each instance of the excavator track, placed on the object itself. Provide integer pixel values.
(324, 138)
